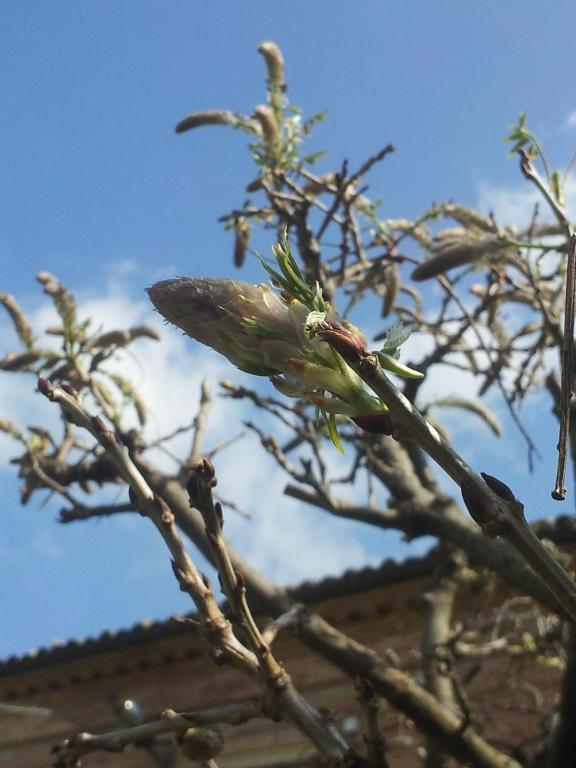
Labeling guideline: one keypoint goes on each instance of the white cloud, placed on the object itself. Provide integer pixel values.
(515, 204)
(570, 122)
(284, 538)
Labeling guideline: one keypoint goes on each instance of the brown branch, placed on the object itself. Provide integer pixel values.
(496, 511)
(442, 518)
(235, 713)
(153, 506)
(346, 654)
(341, 183)
(275, 678)
(437, 659)
(567, 354)
(215, 626)
(371, 161)
(437, 721)
(206, 402)
(373, 736)
(530, 173)
(80, 512)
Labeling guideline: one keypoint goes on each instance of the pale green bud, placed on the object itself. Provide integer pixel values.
(262, 334)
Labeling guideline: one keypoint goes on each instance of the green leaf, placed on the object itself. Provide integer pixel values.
(312, 158)
(390, 363)
(333, 432)
(292, 280)
(396, 335)
(556, 186)
(276, 275)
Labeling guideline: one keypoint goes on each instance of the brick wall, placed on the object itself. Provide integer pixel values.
(174, 671)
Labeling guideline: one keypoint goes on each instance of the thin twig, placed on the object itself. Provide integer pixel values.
(277, 681)
(80, 512)
(367, 165)
(206, 402)
(530, 172)
(373, 737)
(234, 713)
(257, 663)
(559, 492)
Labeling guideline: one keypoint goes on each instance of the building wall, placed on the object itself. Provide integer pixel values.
(175, 672)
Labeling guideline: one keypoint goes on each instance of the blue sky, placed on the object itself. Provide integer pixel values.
(99, 190)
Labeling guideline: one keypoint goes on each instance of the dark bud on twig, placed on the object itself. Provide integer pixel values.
(499, 488)
(201, 473)
(100, 428)
(377, 423)
(69, 389)
(219, 514)
(45, 387)
(192, 489)
(207, 472)
(478, 512)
